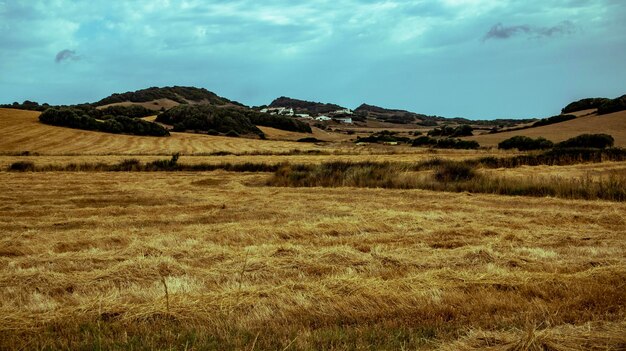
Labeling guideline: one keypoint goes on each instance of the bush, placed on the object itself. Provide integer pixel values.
(128, 111)
(597, 141)
(278, 122)
(584, 104)
(75, 118)
(424, 141)
(524, 143)
(614, 105)
(232, 133)
(22, 166)
(209, 118)
(460, 131)
(553, 120)
(384, 136)
(445, 143)
(309, 140)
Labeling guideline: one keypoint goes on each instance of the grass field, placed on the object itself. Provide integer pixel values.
(220, 260)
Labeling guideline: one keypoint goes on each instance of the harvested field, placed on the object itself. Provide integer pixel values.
(21, 131)
(216, 260)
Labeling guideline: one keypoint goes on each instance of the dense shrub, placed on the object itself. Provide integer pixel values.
(209, 118)
(66, 117)
(309, 107)
(75, 118)
(308, 140)
(584, 104)
(598, 141)
(278, 122)
(614, 105)
(214, 119)
(553, 120)
(27, 105)
(524, 143)
(384, 136)
(128, 111)
(175, 93)
(445, 143)
(460, 131)
(424, 141)
(22, 166)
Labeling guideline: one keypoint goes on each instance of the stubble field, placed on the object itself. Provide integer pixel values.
(215, 260)
(221, 260)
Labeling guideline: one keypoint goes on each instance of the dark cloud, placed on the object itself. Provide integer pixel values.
(499, 31)
(565, 27)
(65, 55)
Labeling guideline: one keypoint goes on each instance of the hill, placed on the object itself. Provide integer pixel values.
(303, 106)
(613, 124)
(405, 117)
(396, 116)
(167, 97)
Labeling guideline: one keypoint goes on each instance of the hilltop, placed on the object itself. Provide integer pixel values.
(165, 98)
(303, 106)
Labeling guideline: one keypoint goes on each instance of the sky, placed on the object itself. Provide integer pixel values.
(478, 59)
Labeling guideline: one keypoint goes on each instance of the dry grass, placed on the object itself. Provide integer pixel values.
(300, 156)
(217, 260)
(85, 259)
(21, 131)
(613, 124)
(445, 175)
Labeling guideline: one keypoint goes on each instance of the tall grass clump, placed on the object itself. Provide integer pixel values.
(454, 172)
(342, 173)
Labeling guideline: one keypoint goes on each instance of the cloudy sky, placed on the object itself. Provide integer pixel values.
(472, 58)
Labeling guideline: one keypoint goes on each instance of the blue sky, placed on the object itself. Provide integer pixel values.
(471, 58)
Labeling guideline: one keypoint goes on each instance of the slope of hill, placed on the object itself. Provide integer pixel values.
(613, 124)
(21, 131)
(303, 106)
(395, 116)
(155, 98)
(404, 117)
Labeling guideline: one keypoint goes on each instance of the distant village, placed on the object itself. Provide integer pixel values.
(341, 116)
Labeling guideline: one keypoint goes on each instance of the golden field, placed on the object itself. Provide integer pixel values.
(220, 260)
(86, 257)
(613, 124)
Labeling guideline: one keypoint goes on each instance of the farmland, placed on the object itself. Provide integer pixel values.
(223, 260)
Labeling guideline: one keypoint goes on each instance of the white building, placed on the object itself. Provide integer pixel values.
(278, 111)
(323, 118)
